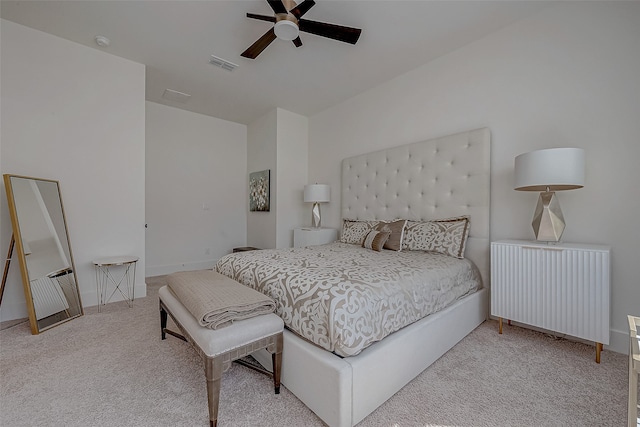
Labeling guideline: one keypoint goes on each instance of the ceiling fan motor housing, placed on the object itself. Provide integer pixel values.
(286, 27)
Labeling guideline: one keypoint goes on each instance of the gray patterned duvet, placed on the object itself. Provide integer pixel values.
(343, 297)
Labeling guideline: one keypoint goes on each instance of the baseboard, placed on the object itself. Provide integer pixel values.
(618, 341)
(161, 270)
(90, 299)
(12, 311)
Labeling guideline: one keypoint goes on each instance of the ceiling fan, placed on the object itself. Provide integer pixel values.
(288, 24)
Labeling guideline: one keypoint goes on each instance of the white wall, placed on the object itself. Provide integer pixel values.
(278, 141)
(568, 76)
(262, 136)
(292, 153)
(196, 189)
(76, 115)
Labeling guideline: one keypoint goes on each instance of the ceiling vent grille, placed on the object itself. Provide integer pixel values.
(224, 64)
(174, 95)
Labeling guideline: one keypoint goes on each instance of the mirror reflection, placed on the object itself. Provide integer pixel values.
(42, 241)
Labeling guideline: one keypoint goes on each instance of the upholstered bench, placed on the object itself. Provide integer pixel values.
(220, 347)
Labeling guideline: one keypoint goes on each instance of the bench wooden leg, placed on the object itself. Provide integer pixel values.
(163, 325)
(163, 322)
(276, 363)
(213, 372)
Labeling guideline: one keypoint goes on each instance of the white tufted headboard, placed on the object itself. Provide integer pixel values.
(438, 178)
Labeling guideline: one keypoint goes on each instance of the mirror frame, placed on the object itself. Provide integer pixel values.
(35, 330)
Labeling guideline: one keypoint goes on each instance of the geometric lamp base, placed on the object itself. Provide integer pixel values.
(548, 222)
(315, 215)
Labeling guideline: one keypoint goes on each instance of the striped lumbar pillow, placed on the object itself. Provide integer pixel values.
(375, 240)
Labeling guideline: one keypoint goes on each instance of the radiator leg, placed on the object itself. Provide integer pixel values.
(598, 350)
(499, 325)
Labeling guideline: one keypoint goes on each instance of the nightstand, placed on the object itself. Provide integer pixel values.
(309, 236)
(560, 287)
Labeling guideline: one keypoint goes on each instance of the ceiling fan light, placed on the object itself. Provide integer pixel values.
(286, 30)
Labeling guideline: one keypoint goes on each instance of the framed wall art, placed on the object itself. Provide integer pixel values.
(259, 191)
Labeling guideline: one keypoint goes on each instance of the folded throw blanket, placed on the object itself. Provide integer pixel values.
(216, 300)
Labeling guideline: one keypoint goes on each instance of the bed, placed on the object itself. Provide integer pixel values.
(345, 379)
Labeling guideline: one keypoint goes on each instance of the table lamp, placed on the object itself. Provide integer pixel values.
(548, 171)
(316, 194)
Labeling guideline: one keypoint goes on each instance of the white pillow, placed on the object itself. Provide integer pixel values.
(354, 231)
(447, 236)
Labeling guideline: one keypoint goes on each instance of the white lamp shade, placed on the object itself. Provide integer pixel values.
(317, 193)
(554, 169)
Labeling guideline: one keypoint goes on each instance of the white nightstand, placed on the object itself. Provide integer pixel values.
(309, 236)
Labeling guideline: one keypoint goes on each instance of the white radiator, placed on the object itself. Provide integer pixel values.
(562, 288)
(48, 297)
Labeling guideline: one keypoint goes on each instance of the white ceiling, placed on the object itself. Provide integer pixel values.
(175, 39)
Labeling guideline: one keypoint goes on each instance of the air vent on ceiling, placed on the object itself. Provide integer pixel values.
(222, 63)
(174, 95)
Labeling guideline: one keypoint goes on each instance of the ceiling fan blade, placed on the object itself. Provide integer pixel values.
(261, 44)
(297, 41)
(261, 17)
(332, 31)
(302, 8)
(277, 6)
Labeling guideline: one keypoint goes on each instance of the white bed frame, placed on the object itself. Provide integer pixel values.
(438, 178)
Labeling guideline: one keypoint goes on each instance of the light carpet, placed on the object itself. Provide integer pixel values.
(112, 369)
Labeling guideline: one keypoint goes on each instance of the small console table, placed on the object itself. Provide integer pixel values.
(106, 273)
(245, 249)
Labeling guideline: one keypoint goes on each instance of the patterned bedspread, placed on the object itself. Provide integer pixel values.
(343, 297)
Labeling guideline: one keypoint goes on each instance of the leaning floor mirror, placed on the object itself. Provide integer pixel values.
(44, 252)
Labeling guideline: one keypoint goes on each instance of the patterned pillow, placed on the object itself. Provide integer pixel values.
(375, 240)
(447, 236)
(354, 231)
(396, 228)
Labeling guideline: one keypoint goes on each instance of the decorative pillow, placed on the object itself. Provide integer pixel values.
(396, 228)
(354, 231)
(447, 236)
(375, 240)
